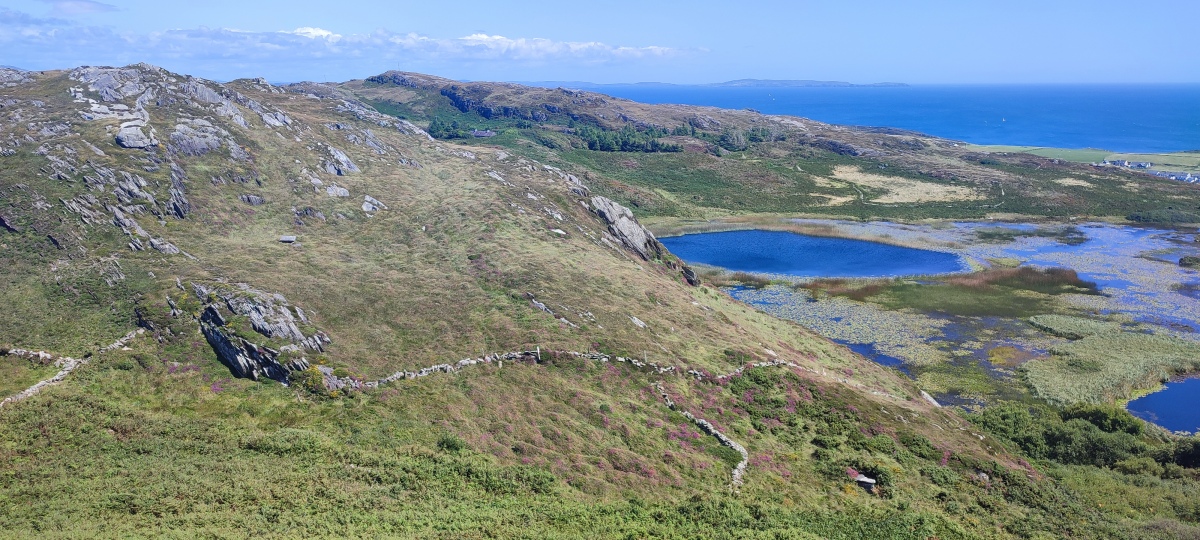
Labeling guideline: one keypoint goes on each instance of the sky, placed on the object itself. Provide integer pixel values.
(613, 41)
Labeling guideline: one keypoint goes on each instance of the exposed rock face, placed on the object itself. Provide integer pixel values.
(12, 77)
(341, 164)
(626, 228)
(269, 315)
(252, 200)
(371, 204)
(703, 121)
(132, 136)
(244, 359)
(114, 84)
(8, 225)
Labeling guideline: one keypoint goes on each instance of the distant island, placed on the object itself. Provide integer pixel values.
(739, 83)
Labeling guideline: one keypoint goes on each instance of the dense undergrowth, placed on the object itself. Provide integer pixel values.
(146, 447)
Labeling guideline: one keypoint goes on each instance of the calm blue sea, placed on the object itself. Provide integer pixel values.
(1121, 118)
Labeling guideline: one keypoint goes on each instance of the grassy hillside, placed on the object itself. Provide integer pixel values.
(412, 252)
(742, 162)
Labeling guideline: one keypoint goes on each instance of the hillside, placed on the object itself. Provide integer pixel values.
(745, 163)
(476, 340)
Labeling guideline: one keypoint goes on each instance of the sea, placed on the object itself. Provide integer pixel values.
(1120, 118)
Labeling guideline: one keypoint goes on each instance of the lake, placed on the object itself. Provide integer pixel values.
(951, 355)
(793, 254)
(1174, 407)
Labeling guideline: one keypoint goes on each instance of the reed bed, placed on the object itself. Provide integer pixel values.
(1109, 366)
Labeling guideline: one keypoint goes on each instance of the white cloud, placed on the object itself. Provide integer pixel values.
(306, 52)
(315, 33)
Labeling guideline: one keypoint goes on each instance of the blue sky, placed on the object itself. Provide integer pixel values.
(914, 41)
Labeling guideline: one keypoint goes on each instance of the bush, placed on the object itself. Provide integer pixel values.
(451, 443)
(1139, 465)
(919, 446)
(1108, 418)
(941, 476)
(1079, 442)
(1163, 216)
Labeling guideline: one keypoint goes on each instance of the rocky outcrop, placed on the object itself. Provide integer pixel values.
(371, 204)
(626, 228)
(244, 359)
(132, 136)
(8, 225)
(178, 204)
(341, 164)
(10, 77)
(410, 80)
(252, 200)
(269, 315)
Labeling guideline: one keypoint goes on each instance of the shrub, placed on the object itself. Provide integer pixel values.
(941, 476)
(1108, 418)
(451, 443)
(919, 446)
(1079, 442)
(1139, 465)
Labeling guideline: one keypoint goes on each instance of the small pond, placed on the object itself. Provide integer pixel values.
(1174, 407)
(793, 254)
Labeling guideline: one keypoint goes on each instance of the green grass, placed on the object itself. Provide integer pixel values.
(1109, 366)
(1081, 155)
(17, 374)
(1072, 327)
(1173, 161)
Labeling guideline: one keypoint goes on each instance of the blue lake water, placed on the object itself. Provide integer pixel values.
(777, 252)
(1122, 118)
(1173, 408)
(1134, 266)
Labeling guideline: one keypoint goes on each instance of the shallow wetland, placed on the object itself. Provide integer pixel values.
(1075, 313)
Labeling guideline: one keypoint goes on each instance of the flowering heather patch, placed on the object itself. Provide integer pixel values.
(683, 433)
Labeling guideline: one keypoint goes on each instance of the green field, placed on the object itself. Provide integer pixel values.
(1174, 161)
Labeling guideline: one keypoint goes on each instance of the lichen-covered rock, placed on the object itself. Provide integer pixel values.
(371, 204)
(341, 164)
(13, 77)
(132, 136)
(626, 228)
(178, 204)
(114, 84)
(267, 314)
(276, 119)
(195, 138)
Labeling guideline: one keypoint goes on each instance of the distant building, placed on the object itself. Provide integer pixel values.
(1118, 162)
(1141, 164)
(483, 133)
